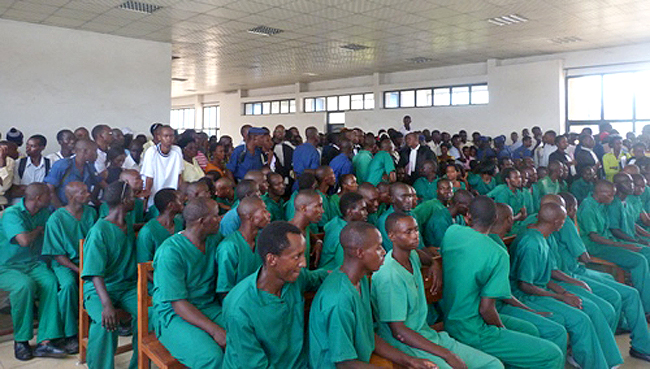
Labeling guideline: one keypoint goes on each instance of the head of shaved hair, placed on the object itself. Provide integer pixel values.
(620, 177)
(552, 199)
(355, 235)
(72, 187)
(322, 172)
(483, 211)
(396, 187)
(568, 198)
(304, 198)
(462, 197)
(128, 173)
(163, 197)
(393, 219)
(441, 181)
(193, 187)
(36, 189)
(224, 181)
(503, 211)
(85, 144)
(196, 209)
(603, 185)
(366, 188)
(311, 132)
(245, 188)
(255, 175)
(631, 169)
(550, 212)
(248, 206)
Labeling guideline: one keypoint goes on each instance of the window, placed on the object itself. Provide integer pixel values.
(339, 103)
(270, 107)
(182, 119)
(621, 99)
(438, 96)
(211, 123)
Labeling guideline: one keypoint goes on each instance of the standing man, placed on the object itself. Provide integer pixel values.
(413, 157)
(32, 168)
(561, 155)
(66, 140)
(341, 164)
(406, 125)
(103, 137)
(248, 156)
(306, 156)
(361, 161)
(162, 166)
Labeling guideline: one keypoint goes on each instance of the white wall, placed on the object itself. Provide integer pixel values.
(53, 78)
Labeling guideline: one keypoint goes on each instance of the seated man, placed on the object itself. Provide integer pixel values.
(623, 215)
(399, 301)
(426, 187)
(341, 332)
(136, 216)
(353, 205)
(188, 320)
(156, 231)
(403, 199)
(225, 194)
(265, 312)
(511, 194)
(445, 191)
(326, 183)
(109, 274)
(26, 278)
(583, 186)
(442, 219)
(371, 196)
(309, 211)
(231, 222)
(273, 197)
(476, 275)
(550, 184)
(63, 231)
(533, 266)
(236, 256)
(348, 183)
(306, 181)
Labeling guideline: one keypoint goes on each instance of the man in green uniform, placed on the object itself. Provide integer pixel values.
(400, 305)
(224, 194)
(551, 184)
(273, 197)
(230, 221)
(623, 214)
(511, 194)
(265, 312)
(236, 256)
(63, 231)
(382, 166)
(308, 212)
(353, 205)
(326, 183)
(444, 192)
(137, 216)
(341, 329)
(188, 320)
(426, 186)
(348, 184)
(109, 273)
(482, 178)
(441, 219)
(403, 199)
(531, 272)
(26, 278)
(306, 181)
(361, 161)
(371, 195)
(476, 275)
(157, 230)
(583, 186)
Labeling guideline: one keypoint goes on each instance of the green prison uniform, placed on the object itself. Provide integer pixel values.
(332, 255)
(382, 163)
(109, 253)
(235, 261)
(275, 208)
(328, 214)
(581, 189)
(593, 218)
(386, 242)
(134, 216)
(361, 163)
(477, 183)
(532, 263)
(264, 330)
(151, 236)
(645, 199)
(335, 201)
(340, 322)
(426, 190)
(224, 201)
(547, 186)
(374, 217)
(516, 200)
(26, 278)
(183, 272)
(437, 225)
(623, 215)
(424, 210)
(62, 235)
(397, 295)
(475, 267)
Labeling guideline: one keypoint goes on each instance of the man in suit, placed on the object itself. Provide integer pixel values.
(413, 156)
(585, 155)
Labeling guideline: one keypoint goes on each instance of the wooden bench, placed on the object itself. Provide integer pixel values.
(608, 267)
(149, 348)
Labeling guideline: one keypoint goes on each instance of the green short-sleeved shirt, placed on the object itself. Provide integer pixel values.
(264, 330)
(227, 202)
(134, 216)
(477, 183)
(63, 232)
(593, 218)
(474, 267)
(497, 239)
(423, 212)
(621, 216)
(532, 261)
(340, 322)
(276, 208)
(381, 164)
(386, 242)
(547, 186)
(183, 272)
(332, 255)
(645, 199)
(151, 236)
(335, 206)
(424, 189)
(109, 253)
(235, 261)
(569, 248)
(581, 189)
(503, 194)
(16, 220)
(361, 163)
(437, 225)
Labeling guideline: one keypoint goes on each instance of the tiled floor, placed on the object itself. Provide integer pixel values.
(7, 360)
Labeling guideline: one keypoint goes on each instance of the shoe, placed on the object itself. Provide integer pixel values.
(48, 350)
(71, 345)
(23, 351)
(639, 355)
(124, 330)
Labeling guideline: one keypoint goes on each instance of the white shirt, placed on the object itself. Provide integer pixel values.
(454, 152)
(7, 175)
(54, 157)
(434, 147)
(100, 162)
(129, 163)
(542, 153)
(413, 157)
(405, 131)
(32, 172)
(163, 169)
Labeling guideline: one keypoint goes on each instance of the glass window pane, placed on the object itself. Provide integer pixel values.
(266, 107)
(460, 95)
(257, 109)
(407, 99)
(480, 94)
(642, 95)
(577, 128)
(391, 99)
(332, 103)
(369, 101)
(344, 102)
(292, 106)
(424, 97)
(638, 128)
(336, 118)
(623, 127)
(618, 94)
(320, 104)
(584, 98)
(356, 102)
(441, 97)
(248, 110)
(275, 107)
(284, 106)
(309, 105)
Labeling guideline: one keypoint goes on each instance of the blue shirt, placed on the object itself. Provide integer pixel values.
(522, 152)
(305, 156)
(65, 171)
(241, 161)
(230, 221)
(504, 153)
(341, 165)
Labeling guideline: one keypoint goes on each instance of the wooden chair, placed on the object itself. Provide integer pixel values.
(84, 319)
(608, 267)
(149, 348)
(508, 240)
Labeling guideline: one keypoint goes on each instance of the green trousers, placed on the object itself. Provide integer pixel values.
(582, 334)
(471, 356)
(102, 343)
(547, 328)
(27, 284)
(68, 298)
(191, 345)
(516, 324)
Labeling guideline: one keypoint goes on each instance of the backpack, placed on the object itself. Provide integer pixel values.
(23, 163)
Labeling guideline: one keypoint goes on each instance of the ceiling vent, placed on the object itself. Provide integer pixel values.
(138, 7)
(264, 31)
(175, 57)
(565, 40)
(176, 79)
(419, 60)
(507, 20)
(354, 47)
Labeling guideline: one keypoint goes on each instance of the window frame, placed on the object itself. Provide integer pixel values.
(450, 88)
(365, 102)
(266, 107)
